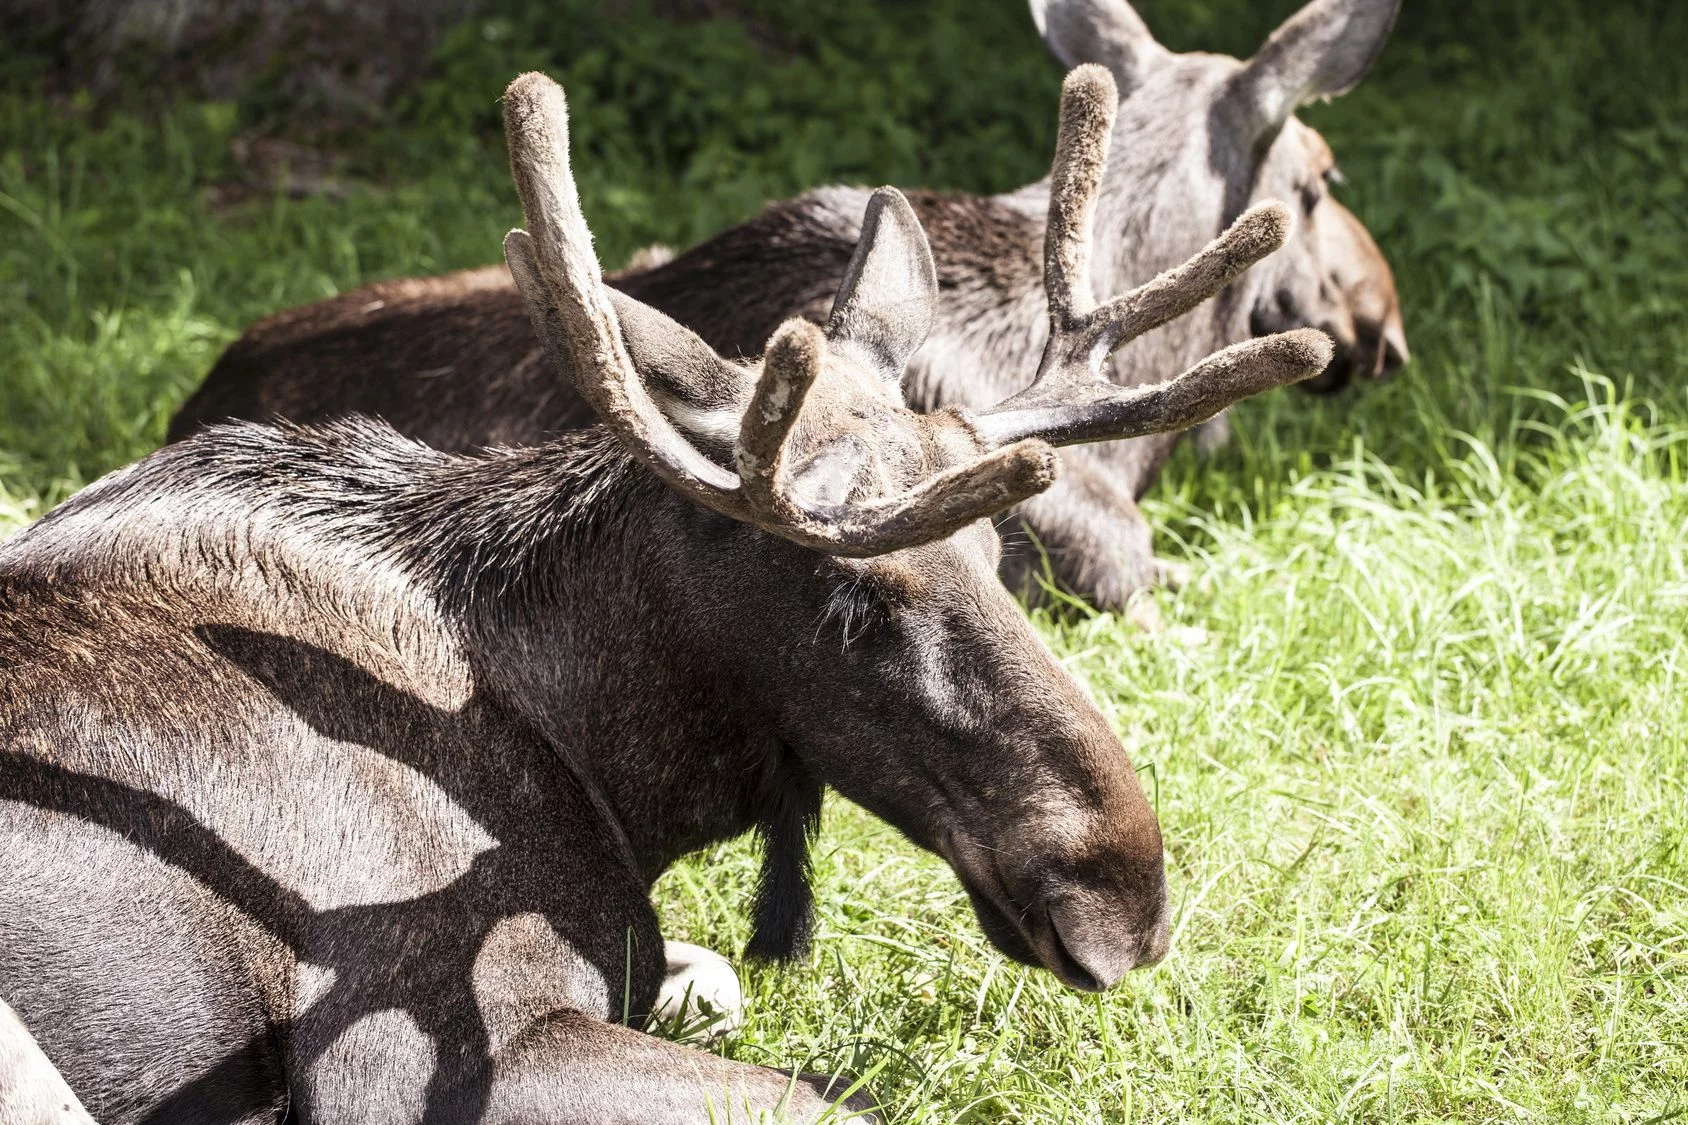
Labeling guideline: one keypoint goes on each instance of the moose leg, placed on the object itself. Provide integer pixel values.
(1095, 538)
(569, 1068)
(699, 987)
(32, 1091)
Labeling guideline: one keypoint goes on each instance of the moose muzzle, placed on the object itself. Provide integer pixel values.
(1089, 919)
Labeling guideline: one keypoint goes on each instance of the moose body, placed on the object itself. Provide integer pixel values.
(452, 360)
(335, 769)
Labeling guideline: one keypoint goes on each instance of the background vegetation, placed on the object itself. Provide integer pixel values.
(1415, 734)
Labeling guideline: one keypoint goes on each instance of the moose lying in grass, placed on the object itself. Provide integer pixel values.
(335, 770)
(454, 362)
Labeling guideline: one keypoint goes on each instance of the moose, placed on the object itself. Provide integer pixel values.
(374, 751)
(453, 361)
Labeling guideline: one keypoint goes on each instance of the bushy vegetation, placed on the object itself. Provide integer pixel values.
(1415, 733)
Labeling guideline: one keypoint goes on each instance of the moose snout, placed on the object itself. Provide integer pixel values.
(1091, 948)
(1376, 348)
(1089, 920)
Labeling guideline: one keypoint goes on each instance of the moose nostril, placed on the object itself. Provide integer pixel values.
(1091, 951)
(1079, 959)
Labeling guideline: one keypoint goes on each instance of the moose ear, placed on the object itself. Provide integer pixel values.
(1321, 51)
(1109, 32)
(701, 393)
(889, 295)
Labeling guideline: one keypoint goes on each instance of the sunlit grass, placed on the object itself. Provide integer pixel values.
(1414, 732)
(1419, 756)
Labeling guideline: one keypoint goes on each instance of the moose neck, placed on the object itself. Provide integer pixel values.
(567, 565)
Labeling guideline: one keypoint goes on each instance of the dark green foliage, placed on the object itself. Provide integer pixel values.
(946, 94)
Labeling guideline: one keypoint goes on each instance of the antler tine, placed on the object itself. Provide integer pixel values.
(1070, 400)
(536, 128)
(1089, 101)
(1079, 345)
(790, 366)
(954, 498)
(1256, 233)
(1104, 412)
(573, 313)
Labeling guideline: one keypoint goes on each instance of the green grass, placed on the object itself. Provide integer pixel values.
(1414, 734)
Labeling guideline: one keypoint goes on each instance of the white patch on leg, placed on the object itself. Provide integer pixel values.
(700, 992)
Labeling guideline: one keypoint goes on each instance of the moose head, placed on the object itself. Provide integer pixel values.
(817, 494)
(1238, 139)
